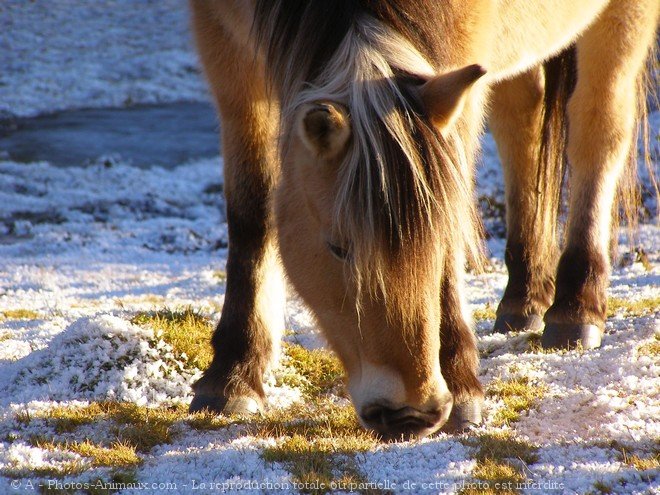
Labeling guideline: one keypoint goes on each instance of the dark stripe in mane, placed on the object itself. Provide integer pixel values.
(310, 32)
(416, 20)
(304, 31)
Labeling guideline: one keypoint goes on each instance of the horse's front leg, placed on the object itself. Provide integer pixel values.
(601, 112)
(531, 254)
(459, 356)
(247, 337)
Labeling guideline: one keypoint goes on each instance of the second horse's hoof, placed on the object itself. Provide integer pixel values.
(517, 323)
(570, 335)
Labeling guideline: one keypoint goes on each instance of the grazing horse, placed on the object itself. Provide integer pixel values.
(349, 132)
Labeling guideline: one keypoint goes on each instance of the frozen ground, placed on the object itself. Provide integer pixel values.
(66, 54)
(86, 248)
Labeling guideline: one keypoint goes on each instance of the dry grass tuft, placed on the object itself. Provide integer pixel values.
(602, 487)
(651, 349)
(632, 308)
(187, 331)
(485, 313)
(640, 463)
(318, 440)
(19, 314)
(61, 470)
(315, 371)
(313, 464)
(517, 394)
(534, 344)
(137, 426)
(117, 454)
(499, 458)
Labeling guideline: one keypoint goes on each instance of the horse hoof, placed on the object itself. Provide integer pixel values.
(219, 405)
(570, 335)
(517, 323)
(242, 405)
(207, 403)
(464, 416)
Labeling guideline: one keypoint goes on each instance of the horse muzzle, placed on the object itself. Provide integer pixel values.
(404, 423)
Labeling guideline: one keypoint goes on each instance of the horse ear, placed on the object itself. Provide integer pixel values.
(443, 96)
(324, 128)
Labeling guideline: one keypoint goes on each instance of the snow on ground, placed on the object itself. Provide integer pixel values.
(103, 53)
(86, 248)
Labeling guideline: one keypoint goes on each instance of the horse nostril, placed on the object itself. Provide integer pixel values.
(404, 422)
(374, 414)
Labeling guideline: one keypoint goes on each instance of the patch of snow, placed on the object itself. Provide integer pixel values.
(101, 358)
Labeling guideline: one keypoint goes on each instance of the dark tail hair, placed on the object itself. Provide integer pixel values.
(560, 78)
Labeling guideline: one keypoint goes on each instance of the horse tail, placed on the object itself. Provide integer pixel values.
(560, 78)
(631, 191)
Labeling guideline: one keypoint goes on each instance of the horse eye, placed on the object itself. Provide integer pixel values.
(339, 252)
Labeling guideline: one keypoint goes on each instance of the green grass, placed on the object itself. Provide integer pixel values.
(500, 445)
(500, 477)
(206, 421)
(314, 463)
(517, 394)
(186, 330)
(102, 486)
(129, 432)
(317, 440)
(97, 486)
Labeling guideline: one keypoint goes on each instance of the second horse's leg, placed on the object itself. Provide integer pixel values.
(601, 112)
(531, 248)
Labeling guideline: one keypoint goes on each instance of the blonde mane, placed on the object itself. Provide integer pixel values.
(401, 189)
